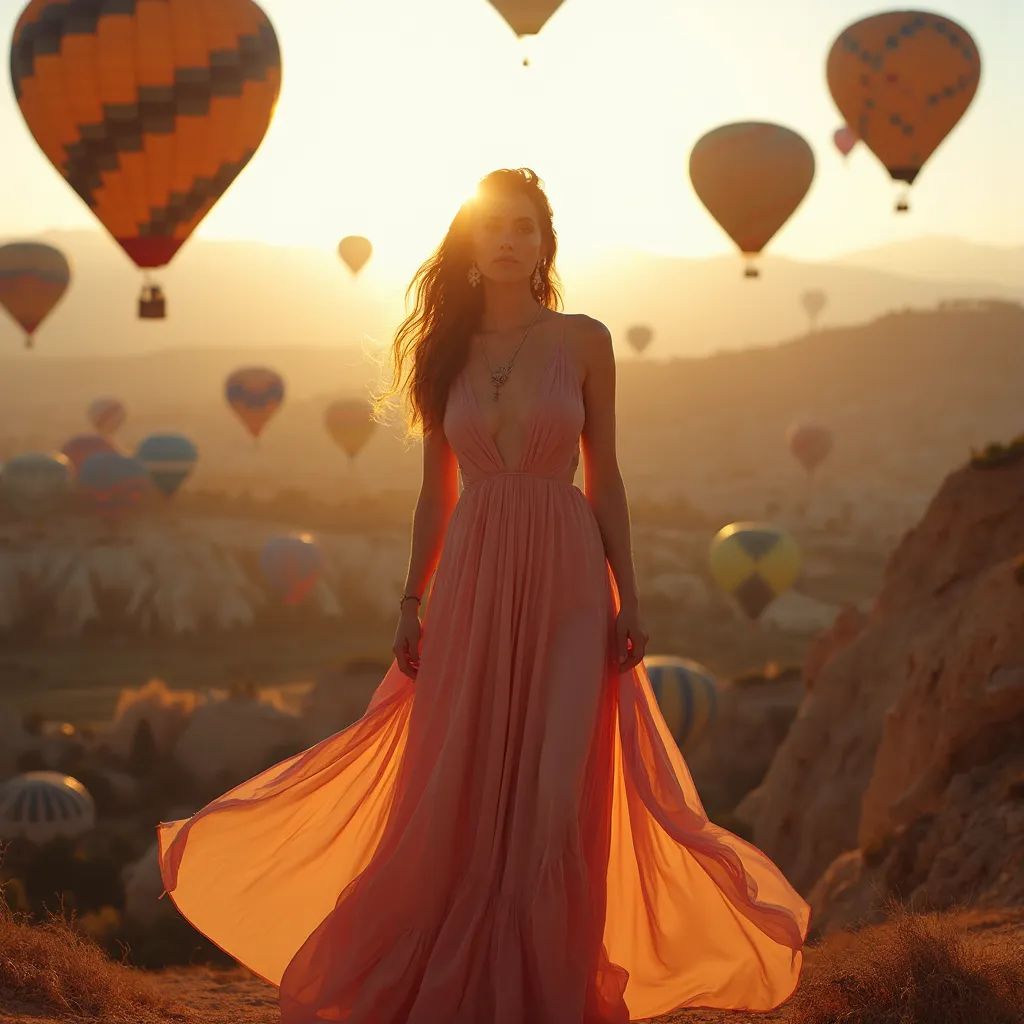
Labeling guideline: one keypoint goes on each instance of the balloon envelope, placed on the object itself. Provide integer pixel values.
(751, 176)
(810, 443)
(814, 301)
(902, 80)
(149, 110)
(36, 483)
(687, 695)
(78, 448)
(355, 251)
(350, 424)
(845, 138)
(526, 17)
(291, 564)
(169, 459)
(42, 805)
(754, 562)
(255, 393)
(107, 414)
(113, 483)
(639, 337)
(33, 278)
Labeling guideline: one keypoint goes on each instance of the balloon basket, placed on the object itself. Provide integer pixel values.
(152, 303)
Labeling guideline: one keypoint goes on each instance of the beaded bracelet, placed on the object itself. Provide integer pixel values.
(406, 598)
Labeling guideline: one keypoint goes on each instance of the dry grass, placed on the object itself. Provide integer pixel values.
(52, 968)
(914, 969)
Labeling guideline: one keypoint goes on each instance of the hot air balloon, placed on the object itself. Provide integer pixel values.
(169, 459)
(255, 393)
(78, 448)
(754, 562)
(902, 80)
(113, 483)
(810, 443)
(814, 301)
(355, 251)
(687, 695)
(291, 564)
(35, 484)
(106, 414)
(44, 805)
(350, 423)
(639, 337)
(526, 17)
(33, 277)
(751, 176)
(845, 138)
(149, 110)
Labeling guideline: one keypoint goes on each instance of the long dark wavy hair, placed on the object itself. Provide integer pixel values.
(434, 338)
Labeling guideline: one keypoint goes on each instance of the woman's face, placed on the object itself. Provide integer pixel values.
(506, 237)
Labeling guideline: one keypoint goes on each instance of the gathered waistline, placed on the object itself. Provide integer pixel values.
(498, 474)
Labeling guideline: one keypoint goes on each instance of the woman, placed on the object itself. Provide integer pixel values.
(509, 835)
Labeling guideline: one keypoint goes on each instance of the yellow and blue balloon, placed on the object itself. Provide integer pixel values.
(754, 562)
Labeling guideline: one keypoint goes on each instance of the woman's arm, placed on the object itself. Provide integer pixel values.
(605, 491)
(439, 491)
(602, 480)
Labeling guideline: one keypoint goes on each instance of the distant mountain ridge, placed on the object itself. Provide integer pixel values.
(253, 296)
(945, 258)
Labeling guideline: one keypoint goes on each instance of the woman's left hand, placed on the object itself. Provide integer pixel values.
(630, 638)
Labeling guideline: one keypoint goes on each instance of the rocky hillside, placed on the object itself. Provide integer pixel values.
(906, 760)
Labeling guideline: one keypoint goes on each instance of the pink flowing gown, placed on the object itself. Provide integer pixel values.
(512, 837)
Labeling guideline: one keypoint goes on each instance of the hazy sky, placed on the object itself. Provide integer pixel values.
(391, 110)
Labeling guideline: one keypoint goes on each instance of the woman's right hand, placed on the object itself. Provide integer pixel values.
(406, 647)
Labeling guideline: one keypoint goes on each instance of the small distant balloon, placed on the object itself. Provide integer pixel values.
(526, 17)
(751, 176)
(255, 393)
(291, 564)
(814, 301)
(35, 484)
(113, 483)
(845, 138)
(355, 251)
(754, 562)
(902, 80)
(169, 459)
(33, 279)
(350, 423)
(810, 443)
(107, 414)
(78, 448)
(44, 805)
(639, 337)
(687, 695)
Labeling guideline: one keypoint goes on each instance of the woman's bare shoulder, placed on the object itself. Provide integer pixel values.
(586, 327)
(591, 343)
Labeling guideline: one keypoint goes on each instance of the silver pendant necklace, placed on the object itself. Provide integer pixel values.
(501, 373)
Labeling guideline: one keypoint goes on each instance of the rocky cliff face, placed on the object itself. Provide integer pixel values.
(903, 707)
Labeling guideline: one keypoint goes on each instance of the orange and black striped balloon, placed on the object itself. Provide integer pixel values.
(902, 80)
(148, 108)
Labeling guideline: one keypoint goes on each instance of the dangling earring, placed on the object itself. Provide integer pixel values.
(474, 274)
(537, 281)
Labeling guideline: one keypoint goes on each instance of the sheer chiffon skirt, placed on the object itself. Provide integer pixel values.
(511, 837)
